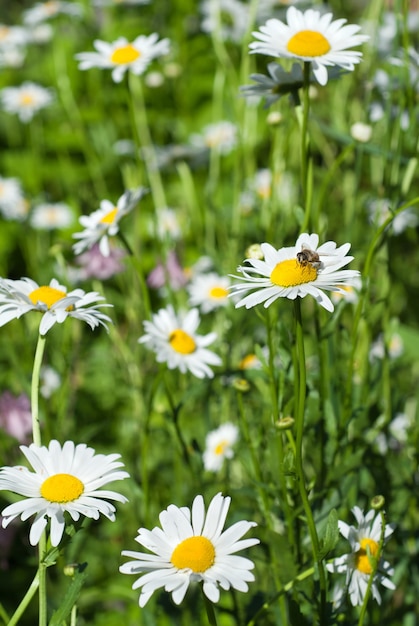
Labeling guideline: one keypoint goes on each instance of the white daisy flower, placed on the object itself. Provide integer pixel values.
(48, 216)
(50, 381)
(25, 100)
(10, 193)
(13, 36)
(219, 136)
(174, 340)
(357, 565)
(104, 223)
(311, 36)
(209, 291)
(192, 547)
(219, 446)
(289, 273)
(348, 293)
(230, 18)
(43, 11)
(121, 55)
(66, 479)
(18, 297)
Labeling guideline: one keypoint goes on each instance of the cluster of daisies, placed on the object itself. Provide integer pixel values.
(67, 481)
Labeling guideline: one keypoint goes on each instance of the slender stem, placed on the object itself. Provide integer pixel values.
(143, 137)
(3, 614)
(36, 428)
(306, 170)
(25, 601)
(212, 620)
(42, 570)
(300, 409)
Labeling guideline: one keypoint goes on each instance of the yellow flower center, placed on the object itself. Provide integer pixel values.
(125, 54)
(182, 342)
(248, 361)
(46, 295)
(109, 218)
(195, 553)
(220, 448)
(26, 99)
(218, 293)
(4, 31)
(291, 273)
(62, 488)
(308, 43)
(363, 556)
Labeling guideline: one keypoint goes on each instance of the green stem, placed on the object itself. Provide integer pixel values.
(306, 169)
(212, 620)
(42, 570)
(284, 589)
(25, 601)
(36, 428)
(300, 409)
(143, 137)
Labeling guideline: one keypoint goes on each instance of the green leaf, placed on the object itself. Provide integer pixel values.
(61, 614)
(331, 535)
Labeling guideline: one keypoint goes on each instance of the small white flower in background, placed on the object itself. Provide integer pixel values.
(13, 36)
(121, 55)
(10, 194)
(361, 132)
(25, 100)
(349, 293)
(379, 210)
(311, 36)
(174, 340)
(220, 136)
(209, 291)
(398, 432)
(168, 224)
(43, 11)
(228, 18)
(394, 346)
(263, 183)
(41, 33)
(357, 565)
(191, 547)
(12, 57)
(18, 297)
(50, 381)
(48, 216)
(67, 479)
(282, 275)
(219, 446)
(154, 79)
(104, 223)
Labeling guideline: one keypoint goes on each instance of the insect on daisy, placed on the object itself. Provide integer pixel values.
(121, 55)
(219, 446)
(192, 547)
(295, 271)
(104, 223)
(358, 565)
(18, 297)
(174, 340)
(67, 479)
(311, 37)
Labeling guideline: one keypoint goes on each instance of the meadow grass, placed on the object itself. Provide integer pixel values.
(324, 403)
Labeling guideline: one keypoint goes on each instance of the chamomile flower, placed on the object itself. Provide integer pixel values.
(358, 565)
(282, 275)
(10, 194)
(121, 55)
(26, 100)
(192, 547)
(18, 297)
(104, 223)
(49, 216)
(209, 291)
(43, 11)
(67, 479)
(219, 136)
(174, 340)
(311, 36)
(219, 446)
